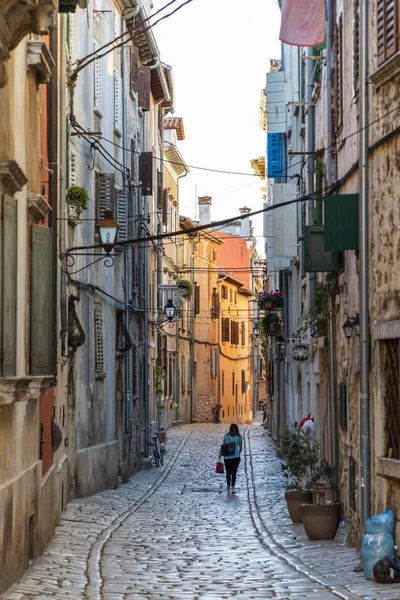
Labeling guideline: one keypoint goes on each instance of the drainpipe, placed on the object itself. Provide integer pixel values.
(52, 141)
(331, 178)
(365, 451)
(310, 157)
(278, 389)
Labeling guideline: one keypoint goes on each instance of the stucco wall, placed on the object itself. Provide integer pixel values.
(96, 468)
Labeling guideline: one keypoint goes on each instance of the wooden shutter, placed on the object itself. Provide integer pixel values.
(130, 201)
(134, 371)
(122, 212)
(338, 74)
(243, 332)
(213, 362)
(99, 342)
(234, 333)
(356, 46)
(71, 37)
(117, 101)
(196, 299)
(8, 322)
(40, 305)
(165, 206)
(144, 88)
(225, 330)
(98, 81)
(104, 193)
(146, 173)
(134, 69)
(244, 386)
(387, 29)
(159, 190)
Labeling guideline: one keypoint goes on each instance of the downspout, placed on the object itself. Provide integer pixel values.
(52, 141)
(365, 450)
(178, 391)
(331, 178)
(310, 156)
(128, 271)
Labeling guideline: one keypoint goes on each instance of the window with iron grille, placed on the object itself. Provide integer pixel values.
(225, 330)
(391, 383)
(387, 29)
(244, 382)
(343, 404)
(243, 333)
(234, 333)
(338, 74)
(99, 343)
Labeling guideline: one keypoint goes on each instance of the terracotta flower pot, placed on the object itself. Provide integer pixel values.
(293, 500)
(320, 521)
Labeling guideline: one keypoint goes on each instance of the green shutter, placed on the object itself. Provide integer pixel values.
(341, 222)
(317, 259)
(41, 305)
(9, 287)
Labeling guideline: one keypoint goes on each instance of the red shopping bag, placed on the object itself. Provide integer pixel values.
(220, 467)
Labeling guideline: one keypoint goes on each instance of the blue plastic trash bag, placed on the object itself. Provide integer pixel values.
(374, 547)
(382, 523)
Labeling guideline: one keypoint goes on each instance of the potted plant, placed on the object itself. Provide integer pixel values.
(77, 199)
(272, 299)
(186, 286)
(301, 459)
(321, 518)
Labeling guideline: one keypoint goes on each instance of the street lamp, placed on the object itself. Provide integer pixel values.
(169, 310)
(356, 324)
(348, 328)
(108, 230)
(256, 329)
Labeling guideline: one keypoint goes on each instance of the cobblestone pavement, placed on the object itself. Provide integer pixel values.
(174, 533)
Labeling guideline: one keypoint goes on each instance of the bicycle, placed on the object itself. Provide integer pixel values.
(157, 452)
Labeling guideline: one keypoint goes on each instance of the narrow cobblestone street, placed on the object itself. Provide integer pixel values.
(174, 533)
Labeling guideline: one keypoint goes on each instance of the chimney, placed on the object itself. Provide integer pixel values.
(204, 210)
(245, 223)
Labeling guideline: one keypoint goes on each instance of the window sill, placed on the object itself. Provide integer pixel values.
(386, 71)
(29, 387)
(388, 467)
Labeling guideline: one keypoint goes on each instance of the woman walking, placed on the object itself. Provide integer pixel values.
(230, 450)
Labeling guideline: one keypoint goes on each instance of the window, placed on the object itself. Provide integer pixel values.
(235, 297)
(343, 404)
(225, 330)
(214, 254)
(231, 295)
(338, 74)
(98, 83)
(387, 29)
(189, 378)
(117, 101)
(144, 88)
(233, 383)
(170, 375)
(356, 46)
(105, 194)
(183, 374)
(234, 333)
(214, 304)
(99, 343)
(391, 382)
(244, 382)
(196, 299)
(223, 383)
(224, 292)
(213, 362)
(134, 69)
(243, 333)
(8, 304)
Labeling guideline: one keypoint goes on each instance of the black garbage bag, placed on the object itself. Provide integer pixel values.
(387, 569)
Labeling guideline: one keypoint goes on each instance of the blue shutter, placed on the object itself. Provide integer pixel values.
(275, 166)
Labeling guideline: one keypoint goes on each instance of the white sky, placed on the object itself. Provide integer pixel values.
(220, 52)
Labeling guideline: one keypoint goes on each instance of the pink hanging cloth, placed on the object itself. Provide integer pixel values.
(303, 22)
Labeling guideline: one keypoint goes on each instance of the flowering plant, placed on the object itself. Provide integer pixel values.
(274, 298)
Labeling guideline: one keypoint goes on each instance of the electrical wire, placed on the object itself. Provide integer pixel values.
(169, 14)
